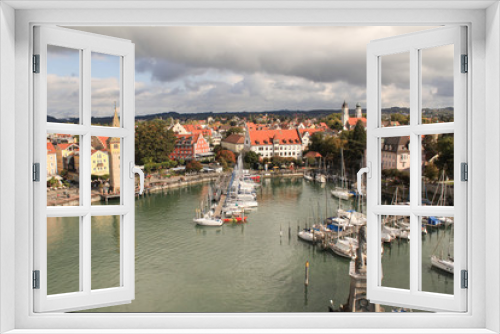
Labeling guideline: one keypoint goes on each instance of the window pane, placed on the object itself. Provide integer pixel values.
(105, 252)
(63, 85)
(437, 255)
(63, 169)
(395, 91)
(105, 170)
(106, 83)
(63, 255)
(395, 233)
(437, 173)
(395, 169)
(437, 84)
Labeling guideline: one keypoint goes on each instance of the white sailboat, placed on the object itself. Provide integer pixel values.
(207, 219)
(343, 248)
(445, 265)
(342, 192)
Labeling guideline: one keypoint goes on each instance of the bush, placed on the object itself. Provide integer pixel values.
(193, 166)
(227, 155)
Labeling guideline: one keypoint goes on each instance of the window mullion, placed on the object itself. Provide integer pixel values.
(85, 150)
(414, 168)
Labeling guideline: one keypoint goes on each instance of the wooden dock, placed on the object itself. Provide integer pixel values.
(218, 209)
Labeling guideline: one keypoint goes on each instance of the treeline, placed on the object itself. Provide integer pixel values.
(352, 143)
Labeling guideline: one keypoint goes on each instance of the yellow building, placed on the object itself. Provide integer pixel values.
(66, 156)
(100, 162)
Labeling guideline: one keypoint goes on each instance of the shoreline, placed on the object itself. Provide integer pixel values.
(160, 186)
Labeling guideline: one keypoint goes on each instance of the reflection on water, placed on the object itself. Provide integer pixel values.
(248, 267)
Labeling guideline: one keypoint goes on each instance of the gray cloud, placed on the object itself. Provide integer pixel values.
(253, 67)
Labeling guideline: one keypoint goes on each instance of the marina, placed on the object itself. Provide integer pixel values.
(256, 266)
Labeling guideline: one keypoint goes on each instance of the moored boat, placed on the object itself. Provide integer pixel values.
(445, 265)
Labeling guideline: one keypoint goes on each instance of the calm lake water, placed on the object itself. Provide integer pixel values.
(249, 267)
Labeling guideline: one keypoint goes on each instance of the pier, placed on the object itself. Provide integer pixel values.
(218, 209)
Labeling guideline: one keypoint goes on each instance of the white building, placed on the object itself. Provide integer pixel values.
(270, 143)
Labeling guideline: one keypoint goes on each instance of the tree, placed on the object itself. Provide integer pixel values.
(234, 129)
(251, 157)
(153, 141)
(430, 146)
(335, 125)
(431, 171)
(445, 147)
(227, 155)
(402, 119)
(53, 183)
(193, 166)
(217, 148)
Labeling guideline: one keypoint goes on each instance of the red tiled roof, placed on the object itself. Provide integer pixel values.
(234, 139)
(104, 141)
(50, 148)
(266, 137)
(65, 146)
(192, 127)
(194, 137)
(310, 131)
(94, 151)
(312, 154)
(204, 132)
(353, 120)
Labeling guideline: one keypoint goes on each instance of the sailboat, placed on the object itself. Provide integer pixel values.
(343, 248)
(342, 192)
(445, 265)
(442, 263)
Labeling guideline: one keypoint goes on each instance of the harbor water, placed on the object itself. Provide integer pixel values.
(256, 266)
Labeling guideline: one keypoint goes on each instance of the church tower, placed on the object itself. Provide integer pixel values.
(114, 157)
(114, 164)
(359, 112)
(116, 120)
(345, 114)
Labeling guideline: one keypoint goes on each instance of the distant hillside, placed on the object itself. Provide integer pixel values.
(205, 115)
(317, 113)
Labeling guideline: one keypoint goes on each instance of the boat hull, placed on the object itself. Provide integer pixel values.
(208, 222)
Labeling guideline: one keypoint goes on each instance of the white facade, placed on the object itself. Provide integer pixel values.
(269, 150)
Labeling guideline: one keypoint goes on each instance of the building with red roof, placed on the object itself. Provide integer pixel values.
(51, 160)
(65, 154)
(198, 129)
(187, 147)
(270, 143)
(305, 135)
(351, 123)
(234, 143)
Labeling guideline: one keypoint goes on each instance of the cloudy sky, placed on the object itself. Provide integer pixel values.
(201, 69)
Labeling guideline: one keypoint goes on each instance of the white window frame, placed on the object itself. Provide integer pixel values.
(484, 27)
(414, 44)
(86, 43)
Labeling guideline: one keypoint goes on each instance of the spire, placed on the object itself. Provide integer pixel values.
(116, 119)
(344, 105)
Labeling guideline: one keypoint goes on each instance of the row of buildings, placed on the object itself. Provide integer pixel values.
(283, 139)
(63, 154)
